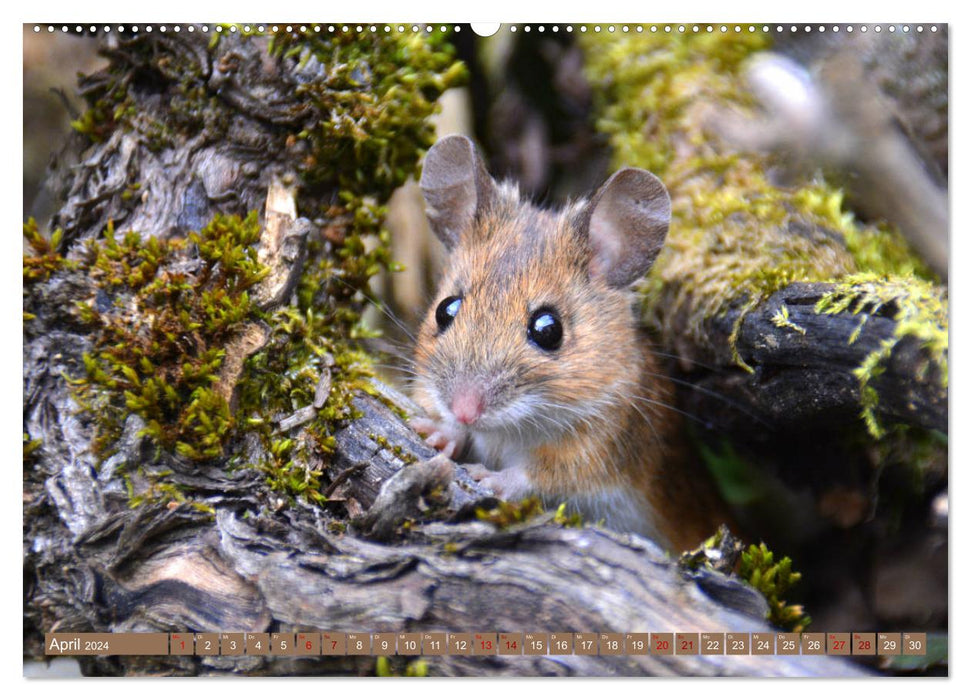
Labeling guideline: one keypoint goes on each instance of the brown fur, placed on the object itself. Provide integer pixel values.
(616, 432)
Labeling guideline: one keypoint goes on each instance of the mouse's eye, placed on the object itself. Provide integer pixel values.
(446, 311)
(545, 329)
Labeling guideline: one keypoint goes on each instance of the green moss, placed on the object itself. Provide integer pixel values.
(112, 102)
(108, 106)
(417, 668)
(735, 237)
(44, 257)
(30, 447)
(781, 320)
(160, 332)
(374, 106)
(382, 667)
(158, 487)
(283, 377)
(366, 128)
(397, 450)
(773, 580)
(919, 310)
(374, 103)
(506, 514)
(561, 517)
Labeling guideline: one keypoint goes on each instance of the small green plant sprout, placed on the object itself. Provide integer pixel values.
(561, 517)
(773, 579)
(44, 258)
(30, 447)
(505, 514)
(781, 319)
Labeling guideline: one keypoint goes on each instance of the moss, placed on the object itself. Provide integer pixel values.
(44, 257)
(920, 312)
(30, 447)
(416, 668)
(369, 96)
(781, 320)
(283, 377)
(158, 487)
(735, 237)
(506, 514)
(773, 580)
(159, 332)
(397, 450)
(382, 667)
(112, 101)
(336, 527)
(374, 106)
(722, 552)
(374, 103)
(108, 106)
(561, 517)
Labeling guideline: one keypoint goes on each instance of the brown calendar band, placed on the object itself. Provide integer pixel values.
(484, 643)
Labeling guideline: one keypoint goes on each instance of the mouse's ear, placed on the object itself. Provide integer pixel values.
(626, 222)
(455, 185)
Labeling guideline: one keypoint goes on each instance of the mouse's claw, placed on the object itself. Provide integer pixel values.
(508, 484)
(444, 438)
(423, 426)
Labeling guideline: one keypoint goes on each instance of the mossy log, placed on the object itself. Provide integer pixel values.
(806, 368)
(95, 564)
(173, 568)
(175, 492)
(743, 292)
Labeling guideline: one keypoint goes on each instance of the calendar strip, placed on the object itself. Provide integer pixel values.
(486, 643)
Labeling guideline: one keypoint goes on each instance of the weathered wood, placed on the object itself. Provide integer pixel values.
(254, 568)
(805, 380)
(271, 572)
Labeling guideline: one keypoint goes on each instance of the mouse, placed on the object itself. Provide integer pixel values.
(531, 364)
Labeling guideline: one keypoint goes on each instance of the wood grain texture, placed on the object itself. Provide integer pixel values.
(805, 381)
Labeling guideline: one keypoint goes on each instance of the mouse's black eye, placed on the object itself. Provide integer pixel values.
(545, 329)
(446, 311)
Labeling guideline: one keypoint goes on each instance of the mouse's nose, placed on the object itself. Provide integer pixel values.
(467, 404)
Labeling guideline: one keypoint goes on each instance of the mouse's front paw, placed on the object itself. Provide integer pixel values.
(508, 484)
(446, 439)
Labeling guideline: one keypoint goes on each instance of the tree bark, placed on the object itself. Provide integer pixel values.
(803, 378)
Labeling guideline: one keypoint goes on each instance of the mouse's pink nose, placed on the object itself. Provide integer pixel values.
(467, 404)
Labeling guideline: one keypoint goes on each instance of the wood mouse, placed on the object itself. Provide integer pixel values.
(531, 357)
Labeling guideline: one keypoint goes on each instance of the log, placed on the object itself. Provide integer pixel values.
(749, 248)
(93, 564)
(803, 378)
(175, 569)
